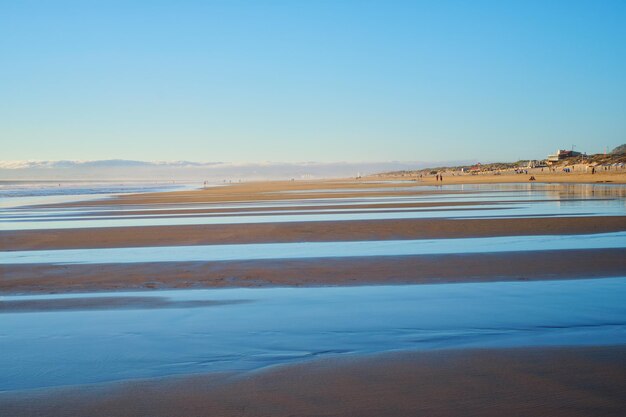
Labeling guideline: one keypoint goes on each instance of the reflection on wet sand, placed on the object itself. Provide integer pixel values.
(493, 201)
(305, 250)
(103, 303)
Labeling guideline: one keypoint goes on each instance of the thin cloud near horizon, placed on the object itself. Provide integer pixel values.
(25, 164)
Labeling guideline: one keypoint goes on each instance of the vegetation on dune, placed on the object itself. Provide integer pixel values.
(620, 150)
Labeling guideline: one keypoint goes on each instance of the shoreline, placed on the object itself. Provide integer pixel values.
(255, 191)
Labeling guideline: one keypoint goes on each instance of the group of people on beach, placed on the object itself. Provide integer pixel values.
(439, 177)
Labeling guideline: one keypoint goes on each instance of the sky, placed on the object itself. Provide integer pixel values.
(355, 81)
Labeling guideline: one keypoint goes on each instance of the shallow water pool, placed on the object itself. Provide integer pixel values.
(239, 329)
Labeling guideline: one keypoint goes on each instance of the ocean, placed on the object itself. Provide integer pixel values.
(19, 193)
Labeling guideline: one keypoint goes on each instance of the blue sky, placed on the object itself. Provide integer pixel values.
(310, 80)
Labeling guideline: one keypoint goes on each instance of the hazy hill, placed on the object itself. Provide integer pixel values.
(118, 169)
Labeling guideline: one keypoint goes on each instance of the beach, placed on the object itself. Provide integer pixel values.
(392, 269)
(313, 209)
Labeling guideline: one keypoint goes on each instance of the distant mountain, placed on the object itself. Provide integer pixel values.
(115, 169)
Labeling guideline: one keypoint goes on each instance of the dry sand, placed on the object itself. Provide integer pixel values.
(615, 176)
(523, 382)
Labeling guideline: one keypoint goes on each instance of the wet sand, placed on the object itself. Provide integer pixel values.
(423, 269)
(304, 231)
(345, 271)
(487, 382)
(495, 382)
